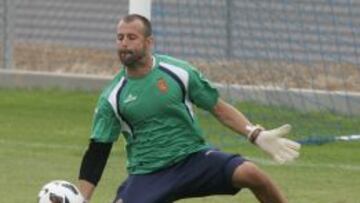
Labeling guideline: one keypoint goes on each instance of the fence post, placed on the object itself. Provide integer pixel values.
(229, 48)
(8, 19)
(142, 7)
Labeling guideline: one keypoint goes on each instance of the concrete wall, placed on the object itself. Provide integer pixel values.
(305, 100)
(45, 80)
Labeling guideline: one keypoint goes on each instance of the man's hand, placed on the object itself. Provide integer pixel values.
(272, 142)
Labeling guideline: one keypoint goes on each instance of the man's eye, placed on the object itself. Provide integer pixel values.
(132, 37)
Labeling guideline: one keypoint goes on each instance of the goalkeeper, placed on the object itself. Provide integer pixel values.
(150, 103)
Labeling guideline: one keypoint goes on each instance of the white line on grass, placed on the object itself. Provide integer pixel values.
(40, 145)
(43, 145)
(267, 162)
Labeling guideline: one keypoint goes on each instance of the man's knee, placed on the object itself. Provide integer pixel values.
(248, 175)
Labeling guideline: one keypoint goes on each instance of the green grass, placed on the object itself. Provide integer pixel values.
(43, 135)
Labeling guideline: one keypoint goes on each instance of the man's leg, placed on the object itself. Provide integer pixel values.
(248, 175)
(146, 188)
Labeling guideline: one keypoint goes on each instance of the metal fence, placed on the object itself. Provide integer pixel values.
(312, 43)
(291, 30)
(272, 46)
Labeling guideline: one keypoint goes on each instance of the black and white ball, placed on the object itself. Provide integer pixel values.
(60, 191)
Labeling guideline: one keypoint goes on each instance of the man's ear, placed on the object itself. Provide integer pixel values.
(150, 41)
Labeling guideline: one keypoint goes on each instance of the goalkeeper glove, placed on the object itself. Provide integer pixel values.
(272, 142)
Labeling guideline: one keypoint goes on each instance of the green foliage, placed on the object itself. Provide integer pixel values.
(43, 135)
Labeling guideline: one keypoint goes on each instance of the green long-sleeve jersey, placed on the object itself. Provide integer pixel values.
(154, 113)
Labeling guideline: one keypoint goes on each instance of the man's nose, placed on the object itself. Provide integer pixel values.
(122, 42)
(125, 41)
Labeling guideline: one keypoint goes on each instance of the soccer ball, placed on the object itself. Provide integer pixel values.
(60, 191)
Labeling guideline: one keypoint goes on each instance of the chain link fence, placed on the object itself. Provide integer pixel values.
(275, 45)
(303, 44)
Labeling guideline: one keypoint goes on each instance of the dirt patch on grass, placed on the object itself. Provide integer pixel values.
(318, 75)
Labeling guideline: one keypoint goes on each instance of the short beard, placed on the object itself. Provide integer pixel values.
(131, 61)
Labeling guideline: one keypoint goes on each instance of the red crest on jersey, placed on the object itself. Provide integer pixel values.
(162, 85)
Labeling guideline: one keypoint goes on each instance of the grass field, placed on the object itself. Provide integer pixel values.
(43, 135)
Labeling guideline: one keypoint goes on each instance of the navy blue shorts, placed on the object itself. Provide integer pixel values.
(203, 173)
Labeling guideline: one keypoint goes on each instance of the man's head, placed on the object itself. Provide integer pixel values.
(134, 40)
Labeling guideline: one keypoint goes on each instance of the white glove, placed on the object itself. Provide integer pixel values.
(272, 142)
